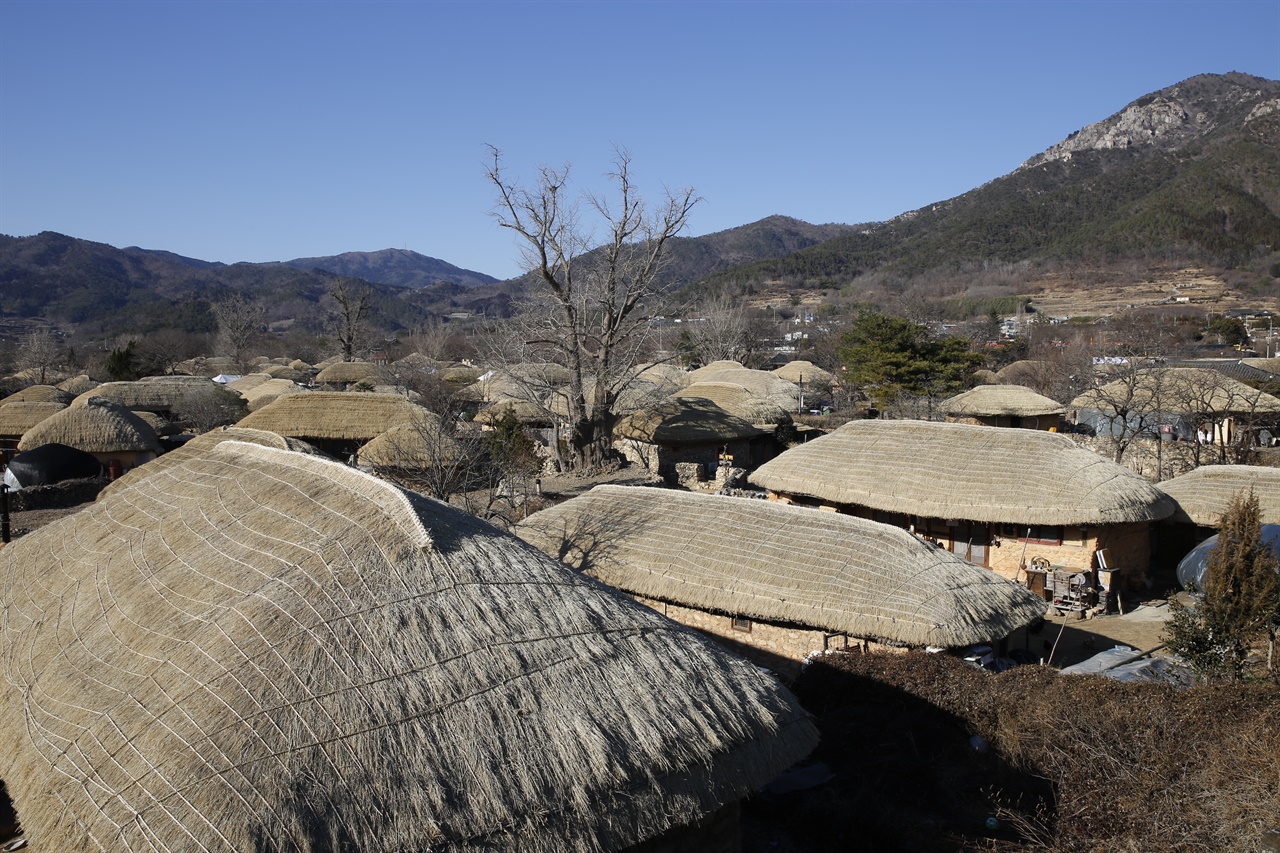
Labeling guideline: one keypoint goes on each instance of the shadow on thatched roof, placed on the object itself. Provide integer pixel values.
(738, 401)
(684, 421)
(95, 425)
(39, 394)
(781, 563)
(987, 401)
(978, 473)
(279, 652)
(341, 415)
(1204, 494)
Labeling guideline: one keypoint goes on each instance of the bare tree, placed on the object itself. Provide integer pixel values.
(39, 351)
(723, 331)
(349, 318)
(588, 312)
(240, 322)
(163, 349)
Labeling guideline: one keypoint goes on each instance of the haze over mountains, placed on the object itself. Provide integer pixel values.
(1189, 172)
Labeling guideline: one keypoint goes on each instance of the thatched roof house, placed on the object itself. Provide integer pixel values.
(785, 565)
(739, 402)
(1203, 495)
(411, 446)
(163, 395)
(528, 413)
(335, 421)
(805, 372)
(351, 373)
(39, 394)
(279, 652)
(99, 426)
(974, 487)
(78, 384)
(685, 431)
(248, 382)
(707, 371)
(17, 418)
(265, 393)
(1194, 390)
(1004, 406)
(762, 383)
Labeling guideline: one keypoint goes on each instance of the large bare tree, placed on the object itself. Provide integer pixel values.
(349, 317)
(240, 324)
(587, 313)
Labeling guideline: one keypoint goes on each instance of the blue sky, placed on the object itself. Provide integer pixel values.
(262, 131)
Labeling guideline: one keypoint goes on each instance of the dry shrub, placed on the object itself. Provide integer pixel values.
(1129, 766)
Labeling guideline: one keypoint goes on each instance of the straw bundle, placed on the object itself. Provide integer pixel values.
(17, 418)
(337, 415)
(1204, 494)
(1181, 389)
(684, 421)
(781, 563)
(95, 425)
(988, 401)
(350, 372)
(805, 371)
(978, 473)
(255, 649)
(739, 402)
(39, 394)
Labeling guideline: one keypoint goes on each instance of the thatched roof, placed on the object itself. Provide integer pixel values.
(1021, 372)
(738, 401)
(987, 401)
(300, 365)
(639, 392)
(805, 371)
(978, 473)
(256, 649)
(705, 372)
(781, 563)
(527, 413)
(348, 372)
(161, 426)
(337, 415)
(39, 394)
(411, 446)
(153, 394)
(762, 383)
(529, 382)
(459, 373)
(208, 367)
(265, 393)
(1180, 389)
(248, 382)
(17, 418)
(78, 384)
(986, 377)
(94, 425)
(1204, 494)
(683, 421)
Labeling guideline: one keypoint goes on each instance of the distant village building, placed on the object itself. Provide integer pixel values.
(1008, 499)
(255, 649)
(779, 583)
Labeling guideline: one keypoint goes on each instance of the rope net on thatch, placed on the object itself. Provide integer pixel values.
(781, 563)
(978, 473)
(17, 418)
(95, 425)
(1204, 494)
(987, 401)
(342, 415)
(684, 421)
(256, 649)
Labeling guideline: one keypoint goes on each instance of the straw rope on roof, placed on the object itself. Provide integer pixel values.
(985, 401)
(17, 418)
(94, 425)
(739, 402)
(684, 421)
(39, 394)
(152, 394)
(411, 446)
(256, 649)
(334, 415)
(1203, 495)
(960, 471)
(805, 371)
(766, 560)
(348, 372)
(1181, 389)
(78, 384)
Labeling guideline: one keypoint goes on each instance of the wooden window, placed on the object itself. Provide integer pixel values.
(741, 623)
(1034, 534)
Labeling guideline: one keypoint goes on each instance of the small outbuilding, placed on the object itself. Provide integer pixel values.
(680, 431)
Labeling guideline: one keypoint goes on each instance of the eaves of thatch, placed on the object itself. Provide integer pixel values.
(987, 401)
(334, 415)
(256, 649)
(1204, 494)
(94, 425)
(684, 421)
(17, 418)
(781, 563)
(977, 473)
